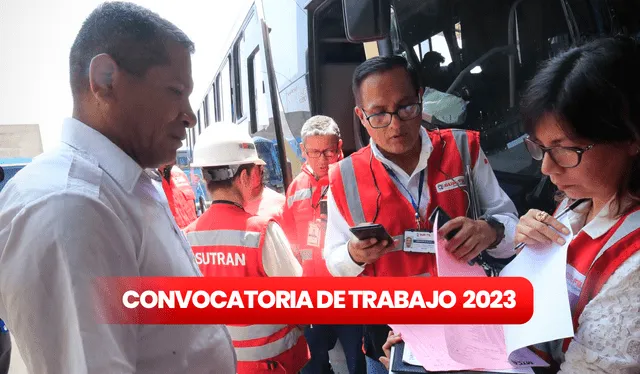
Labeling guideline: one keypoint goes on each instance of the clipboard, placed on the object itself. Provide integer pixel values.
(397, 366)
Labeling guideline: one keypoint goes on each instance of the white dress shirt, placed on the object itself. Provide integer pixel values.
(493, 201)
(81, 211)
(608, 336)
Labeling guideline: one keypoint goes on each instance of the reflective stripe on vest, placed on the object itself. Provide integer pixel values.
(300, 195)
(351, 191)
(269, 350)
(462, 142)
(249, 239)
(253, 331)
(630, 224)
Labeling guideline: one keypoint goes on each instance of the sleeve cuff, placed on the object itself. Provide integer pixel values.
(340, 263)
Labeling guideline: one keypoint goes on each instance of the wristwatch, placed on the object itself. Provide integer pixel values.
(498, 227)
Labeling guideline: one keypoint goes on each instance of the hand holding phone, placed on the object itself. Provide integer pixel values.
(371, 230)
(363, 250)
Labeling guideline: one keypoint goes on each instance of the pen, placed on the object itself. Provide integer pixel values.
(569, 208)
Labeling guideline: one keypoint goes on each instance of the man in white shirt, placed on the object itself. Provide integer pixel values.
(87, 209)
(399, 180)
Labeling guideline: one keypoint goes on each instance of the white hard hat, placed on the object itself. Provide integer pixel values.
(224, 144)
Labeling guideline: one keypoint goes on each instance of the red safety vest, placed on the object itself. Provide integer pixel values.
(590, 263)
(353, 187)
(228, 242)
(180, 197)
(302, 209)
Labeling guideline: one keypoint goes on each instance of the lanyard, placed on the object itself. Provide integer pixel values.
(324, 191)
(416, 207)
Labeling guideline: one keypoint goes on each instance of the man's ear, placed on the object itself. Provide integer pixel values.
(360, 115)
(103, 70)
(339, 144)
(302, 150)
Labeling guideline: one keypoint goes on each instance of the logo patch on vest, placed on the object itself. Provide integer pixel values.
(575, 280)
(450, 184)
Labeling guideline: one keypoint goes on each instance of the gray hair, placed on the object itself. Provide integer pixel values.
(319, 126)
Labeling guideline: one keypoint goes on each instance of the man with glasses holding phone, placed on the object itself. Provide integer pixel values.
(305, 222)
(398, 180)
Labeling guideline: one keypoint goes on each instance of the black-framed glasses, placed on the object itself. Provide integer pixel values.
(383, 119)
(328, 153)
(565, 157)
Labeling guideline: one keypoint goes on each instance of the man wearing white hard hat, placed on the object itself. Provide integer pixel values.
(229, 242)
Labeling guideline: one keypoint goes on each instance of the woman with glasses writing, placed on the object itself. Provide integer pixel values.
(582, 112)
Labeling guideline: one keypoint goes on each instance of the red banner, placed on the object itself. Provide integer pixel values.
(419, 300)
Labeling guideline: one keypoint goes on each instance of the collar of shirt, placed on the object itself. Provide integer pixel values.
(122, 168)
(598, 226)
(425, 152)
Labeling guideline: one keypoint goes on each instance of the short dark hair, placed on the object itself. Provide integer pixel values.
(133, 36)
(382, 64)
(216, 185)
(594, 91)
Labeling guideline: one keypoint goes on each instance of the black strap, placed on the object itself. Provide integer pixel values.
(229, 202)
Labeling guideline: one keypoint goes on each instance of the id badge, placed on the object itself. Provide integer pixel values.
(418, 241)
(313, 234)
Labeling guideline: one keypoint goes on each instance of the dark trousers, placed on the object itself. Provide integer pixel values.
(5, 352)
(322, 338)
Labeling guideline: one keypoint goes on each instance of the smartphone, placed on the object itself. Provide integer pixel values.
(371, 230)
(443, 218)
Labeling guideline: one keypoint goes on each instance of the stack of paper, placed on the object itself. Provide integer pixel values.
(495, 347)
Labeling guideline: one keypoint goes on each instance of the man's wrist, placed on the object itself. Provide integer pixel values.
(498, 229)
(351, 256)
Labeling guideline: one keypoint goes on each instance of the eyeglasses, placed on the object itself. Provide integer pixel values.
(383, 119)
(328, 153)
(565, 157)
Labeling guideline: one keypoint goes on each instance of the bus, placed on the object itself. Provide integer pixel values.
(291, 59)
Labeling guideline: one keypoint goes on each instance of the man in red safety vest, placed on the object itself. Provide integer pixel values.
(177, 188)
(229, 242)
(399, 179)
(305, 225)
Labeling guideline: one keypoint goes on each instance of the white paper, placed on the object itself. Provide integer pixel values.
(409, 358)
(545, 266)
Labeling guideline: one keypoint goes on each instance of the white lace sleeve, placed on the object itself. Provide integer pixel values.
(608, 336)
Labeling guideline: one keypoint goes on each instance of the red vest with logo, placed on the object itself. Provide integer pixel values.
(228, 242)
(590, 263)
(180, 197)
(353, 186)
(302, 209)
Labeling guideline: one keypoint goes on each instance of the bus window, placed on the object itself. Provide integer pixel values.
(225, 90)
(216, 99)
(205, 112)
(211, 107)
(289, 28)
(237, 76)
(257, 101)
